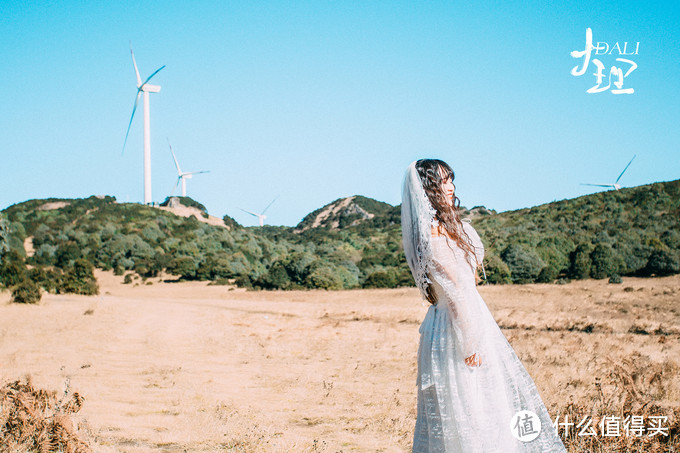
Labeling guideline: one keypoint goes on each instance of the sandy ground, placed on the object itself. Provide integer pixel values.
(188, 211)
(192, 367)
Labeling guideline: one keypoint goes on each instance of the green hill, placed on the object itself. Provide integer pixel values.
(344, 212)
(631, 231)
(349, 243)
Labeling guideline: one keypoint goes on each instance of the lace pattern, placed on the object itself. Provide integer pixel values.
(462, 408)
(417, 215)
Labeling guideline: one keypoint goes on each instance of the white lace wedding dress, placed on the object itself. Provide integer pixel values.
(462, 408)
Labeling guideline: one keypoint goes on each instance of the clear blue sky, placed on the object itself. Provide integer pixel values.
(320, 100)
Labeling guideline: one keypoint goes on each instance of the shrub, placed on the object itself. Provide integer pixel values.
(381, 279)
(152, 233)
(298, 265)
(663, 262)
(243, 281)
(230, 222)
(636, 258)
(324, 277)
(276, 278)
(581, 262)
(67, 253)
(548, 274)
(45, 254)
(80, 279)
(4, 236)
(604, 262)
(672, 239)
(349, 273)
(184, 266)
(497, 272)
(50, 279)
(524, 264)
(12, 269)
(238, 263)
(616, 279)
(26, 292)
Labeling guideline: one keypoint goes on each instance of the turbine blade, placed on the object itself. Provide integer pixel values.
(154, 73)
(175, 188)
(598, 185)
(179, 172)
(134, 109)
(196, 172)
(251, 213)
(624, 170)
(139, 79)
(265, 209)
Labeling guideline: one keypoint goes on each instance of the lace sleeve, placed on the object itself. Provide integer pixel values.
(453, 275)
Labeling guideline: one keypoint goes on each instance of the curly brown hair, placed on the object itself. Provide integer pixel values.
(433, 173)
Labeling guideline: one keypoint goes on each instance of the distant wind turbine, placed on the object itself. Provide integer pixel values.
(261, 216)
(145, 88)
(182, 176)
(616, 184)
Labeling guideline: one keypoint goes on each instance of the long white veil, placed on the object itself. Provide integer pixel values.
(417, 215)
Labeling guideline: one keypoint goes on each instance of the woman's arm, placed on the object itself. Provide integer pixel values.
(459, 294)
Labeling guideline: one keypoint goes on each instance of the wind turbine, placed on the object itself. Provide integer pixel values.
(261, 216)
(616, 184)
(182, 175)
(144, 88)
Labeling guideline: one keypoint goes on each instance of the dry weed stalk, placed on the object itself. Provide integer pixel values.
(36, 420)
(631, 387)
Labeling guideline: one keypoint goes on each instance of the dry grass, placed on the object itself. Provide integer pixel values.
(38, 420)
(187, 366)
(629, 388)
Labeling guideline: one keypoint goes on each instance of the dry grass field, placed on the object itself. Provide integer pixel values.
(191, 367)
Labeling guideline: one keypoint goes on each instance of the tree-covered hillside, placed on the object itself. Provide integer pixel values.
(632, 231)
(67, 236)
(349, 243)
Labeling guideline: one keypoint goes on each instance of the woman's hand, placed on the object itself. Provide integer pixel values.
(474, 360)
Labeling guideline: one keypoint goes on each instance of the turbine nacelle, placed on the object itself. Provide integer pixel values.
(149, 88)
(615, 185)
(261, 217)
(182, 176)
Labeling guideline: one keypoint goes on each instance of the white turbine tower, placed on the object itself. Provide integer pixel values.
(182, 176)
(261, 216)
(144, 88)
(616, 184)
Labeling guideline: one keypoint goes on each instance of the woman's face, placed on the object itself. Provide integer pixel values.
(447, 187)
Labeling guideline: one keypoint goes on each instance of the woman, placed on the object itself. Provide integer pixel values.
(471, 385)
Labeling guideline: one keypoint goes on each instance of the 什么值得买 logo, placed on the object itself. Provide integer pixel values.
(616, 74)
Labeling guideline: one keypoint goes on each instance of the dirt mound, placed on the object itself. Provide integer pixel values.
(53, 205)
(189, 211)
